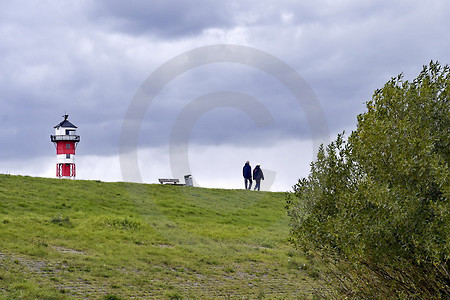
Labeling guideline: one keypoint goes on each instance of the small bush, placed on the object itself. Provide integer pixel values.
(122, 223)
(62, 221)
(112, 297)
(174, 295)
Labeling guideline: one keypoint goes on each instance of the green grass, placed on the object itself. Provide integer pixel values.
(62, 239)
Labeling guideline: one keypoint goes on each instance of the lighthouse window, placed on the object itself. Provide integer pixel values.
(67, 146)
(67, 155)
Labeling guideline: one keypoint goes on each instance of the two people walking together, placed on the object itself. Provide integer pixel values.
(258, 175)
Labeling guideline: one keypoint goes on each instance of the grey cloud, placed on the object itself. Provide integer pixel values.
(225, 126)
(165, 19)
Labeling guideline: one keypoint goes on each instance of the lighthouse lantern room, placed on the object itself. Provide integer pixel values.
(66, 141)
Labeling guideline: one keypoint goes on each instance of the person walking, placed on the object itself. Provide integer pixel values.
(247, 173)
(258, 175)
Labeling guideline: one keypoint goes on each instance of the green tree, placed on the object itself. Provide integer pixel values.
(375, 207)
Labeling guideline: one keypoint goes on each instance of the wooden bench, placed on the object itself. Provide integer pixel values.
(169, 181)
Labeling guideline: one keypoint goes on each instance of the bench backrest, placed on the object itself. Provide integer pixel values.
(162, 180)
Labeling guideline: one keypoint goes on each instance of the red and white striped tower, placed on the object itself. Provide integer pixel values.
(65, 141)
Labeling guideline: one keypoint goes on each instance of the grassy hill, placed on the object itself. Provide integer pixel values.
(63, 239)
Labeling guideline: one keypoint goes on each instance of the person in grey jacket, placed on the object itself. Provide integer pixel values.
(257, 176)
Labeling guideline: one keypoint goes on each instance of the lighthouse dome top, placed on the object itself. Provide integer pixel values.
(65, 123)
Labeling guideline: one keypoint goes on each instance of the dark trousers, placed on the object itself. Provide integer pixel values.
(258, 182)
(250, 186)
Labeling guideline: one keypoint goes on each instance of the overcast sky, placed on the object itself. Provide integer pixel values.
(94, 59)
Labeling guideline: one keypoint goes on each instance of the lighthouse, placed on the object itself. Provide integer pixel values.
(65, 140)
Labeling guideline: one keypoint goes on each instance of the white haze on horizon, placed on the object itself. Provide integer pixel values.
(211, 166)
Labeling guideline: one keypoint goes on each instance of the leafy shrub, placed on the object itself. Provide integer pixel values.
(122, 223)
(112, 297)
(174, 295)
(375, 207)
(62, 221)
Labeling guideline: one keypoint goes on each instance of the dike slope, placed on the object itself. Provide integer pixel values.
(70, 239)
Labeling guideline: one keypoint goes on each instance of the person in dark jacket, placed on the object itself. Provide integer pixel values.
(257, 176)
(247, 173)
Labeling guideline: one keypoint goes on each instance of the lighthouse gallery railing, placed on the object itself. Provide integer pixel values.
(73, 138)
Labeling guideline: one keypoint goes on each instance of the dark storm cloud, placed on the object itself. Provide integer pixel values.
(226, 125)
(165, 19)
